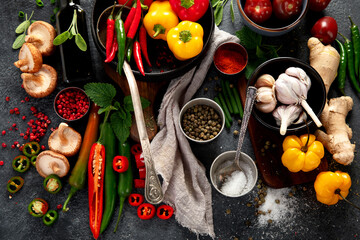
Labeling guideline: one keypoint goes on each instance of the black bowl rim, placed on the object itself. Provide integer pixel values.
(274, 30)
(308, 67)
(168, 75)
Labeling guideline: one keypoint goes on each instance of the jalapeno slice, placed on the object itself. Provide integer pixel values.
(52, 184)
(50, 217)
(33, 160)
(21, 163)
(31, 149)
(15, 184)
(38, 207)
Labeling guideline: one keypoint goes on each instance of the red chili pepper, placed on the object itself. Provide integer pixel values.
(110, 28)
(142, 173)
(139, 183)
(135, 199)
(146, 211)
(139, 160)
(114, 49)
(143, 43)
(164, 212)
(137, 57)
(135, 23)
(96, 167)
(120, 164)
(129, 18)
(136, 149)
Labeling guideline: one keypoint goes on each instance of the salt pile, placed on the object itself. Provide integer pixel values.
(237, 182)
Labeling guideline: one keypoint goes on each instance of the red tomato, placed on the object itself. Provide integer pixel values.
(287, 9)
(258, 10)
(325, 29)
(189, 10)
(318, 5)
(130, 2)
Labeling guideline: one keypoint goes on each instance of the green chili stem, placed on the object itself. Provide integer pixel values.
(73, 190)
(122, 200)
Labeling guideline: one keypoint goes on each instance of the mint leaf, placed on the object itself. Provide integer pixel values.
(252, 65)
(248, 38)
(100, 93)
(121, 126)
(128, 105)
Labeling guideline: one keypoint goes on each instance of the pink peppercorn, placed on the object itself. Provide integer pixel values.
(4, 145)
(7, 99)
(1, 163)
(3, 132)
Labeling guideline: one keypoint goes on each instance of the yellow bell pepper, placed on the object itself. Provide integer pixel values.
(186, 40)
(301, 154)
(329, 185)
(159, 19)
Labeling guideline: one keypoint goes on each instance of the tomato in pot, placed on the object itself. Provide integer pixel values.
(286, 9)
(258, 10)
(325, 29)
(318, 5)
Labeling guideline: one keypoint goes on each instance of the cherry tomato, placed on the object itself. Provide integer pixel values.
(318, 5)
(325, 29)
(258, 10)
(287, 9)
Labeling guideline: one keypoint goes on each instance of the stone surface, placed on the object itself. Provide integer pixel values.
(232, 217)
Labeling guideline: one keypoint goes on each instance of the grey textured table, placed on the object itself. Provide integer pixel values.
(232, 217)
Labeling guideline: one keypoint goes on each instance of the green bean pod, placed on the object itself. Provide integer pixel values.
(341, 77)
(227, 123)
(231, 97)
(226, 97)
(355, 37)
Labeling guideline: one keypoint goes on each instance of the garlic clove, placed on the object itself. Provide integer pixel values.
(265, 80)
(266, 107)
(265, 99)
(286, 115)
(299, 74)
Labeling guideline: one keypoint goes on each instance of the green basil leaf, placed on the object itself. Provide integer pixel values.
(19, 41)
(100, 93)
(22, 27)
(121, 126)
(60, 39)
(232, 11)
(218, 14)
(80, 42)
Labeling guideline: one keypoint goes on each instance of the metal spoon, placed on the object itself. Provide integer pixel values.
(153, 191)
(235, 166)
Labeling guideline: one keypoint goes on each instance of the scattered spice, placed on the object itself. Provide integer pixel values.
(228, 211)
(4, 145)
(3, 132)
(236, 132)
(7, 99)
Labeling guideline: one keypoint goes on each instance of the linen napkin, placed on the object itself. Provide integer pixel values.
(185, 185)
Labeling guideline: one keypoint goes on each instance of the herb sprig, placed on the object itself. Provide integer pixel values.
(21, 29)
(258, 52)
(218, 6)
(70, 33)
(103, 95)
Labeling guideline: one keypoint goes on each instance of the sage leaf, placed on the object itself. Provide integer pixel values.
(232, 11)
(214, 3)
(80, 42)
(60, 39)
(218, 13)
(22, 27)
(19, 41)
(73, 30)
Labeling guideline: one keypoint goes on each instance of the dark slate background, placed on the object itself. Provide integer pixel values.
(232, 218)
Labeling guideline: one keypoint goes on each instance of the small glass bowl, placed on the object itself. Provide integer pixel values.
(234, 56)
(66, 92)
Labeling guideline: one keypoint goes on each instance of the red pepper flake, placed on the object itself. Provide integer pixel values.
(4, 145)
(1, 163)
(3, 132)
(7, 99)
(27, 99)
(12, 111)
(43, 147)
(23, 117)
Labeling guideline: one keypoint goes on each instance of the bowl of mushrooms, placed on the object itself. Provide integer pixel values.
(290, 95)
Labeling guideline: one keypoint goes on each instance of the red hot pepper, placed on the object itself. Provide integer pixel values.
(129, 19)
(110, 28)
(143, 43)
(136, 149)
(164, 212)
(135, 23)
(137, 57)
(114, 49)
(146, 211)
(135, 199)
(139, 183)
(96, 167)
(142, 173)
(139, 160)
(120, 164)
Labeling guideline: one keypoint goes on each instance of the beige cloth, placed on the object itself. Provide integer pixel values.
(185, 184)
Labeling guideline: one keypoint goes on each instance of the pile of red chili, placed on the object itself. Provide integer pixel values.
(230, 59)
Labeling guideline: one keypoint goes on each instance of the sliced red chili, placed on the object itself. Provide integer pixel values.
(142, 173)
(139, 160)
(120, 164)
(136, 149)
(21, 163)
(135, 199)
(164, 212)
(15, 184)
(146, 211)
(139, 183)
(38, 207)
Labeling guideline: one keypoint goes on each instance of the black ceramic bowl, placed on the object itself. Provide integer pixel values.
(166, 70)
(316, 96)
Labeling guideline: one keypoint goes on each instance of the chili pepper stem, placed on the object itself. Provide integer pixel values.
(122, 200)
(305, 148)
(73, 190)
(338, 191)
(107, 113)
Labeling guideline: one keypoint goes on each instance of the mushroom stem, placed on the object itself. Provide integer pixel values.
(61, 130)
(34, 39)
(32, 77)
(21, 62)
(55, 167)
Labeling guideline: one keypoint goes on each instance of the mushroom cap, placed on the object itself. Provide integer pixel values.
(49, 162)
(41, 34)
(41, 83)
(65, 140)
(30, 59)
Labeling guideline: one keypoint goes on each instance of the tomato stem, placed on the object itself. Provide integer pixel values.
(338, 191)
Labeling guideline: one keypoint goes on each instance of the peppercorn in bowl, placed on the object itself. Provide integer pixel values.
(201, 120)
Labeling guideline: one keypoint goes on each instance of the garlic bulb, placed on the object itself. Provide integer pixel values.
(265, 95)
(285, 115)
(293, 89)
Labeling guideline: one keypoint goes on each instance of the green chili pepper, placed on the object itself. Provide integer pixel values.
(110, 176)
(21, 163)
(125, 179)
(52, 184)
(50, 217)
(350, 63)
(129, 50)
(121, 39)
(33, 160)
(15, 184)
(38, 207)
(31, 149)
(355, 37)
(342, 67)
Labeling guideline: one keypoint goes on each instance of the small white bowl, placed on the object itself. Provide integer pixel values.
(246, 163)
(207, 102)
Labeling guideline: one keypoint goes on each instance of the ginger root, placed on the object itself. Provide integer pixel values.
(325, 60)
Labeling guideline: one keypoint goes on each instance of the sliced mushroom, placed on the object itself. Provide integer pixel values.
(30, 59)
(65, 140)
(41, 34)
(49, 162)
(41, 83)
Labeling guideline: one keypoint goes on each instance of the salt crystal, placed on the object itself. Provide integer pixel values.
(234, 184)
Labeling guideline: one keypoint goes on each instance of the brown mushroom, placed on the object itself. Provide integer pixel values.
(30, 59)
(65, 140)
(41, 83)
(49, 162)
(41, 34)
